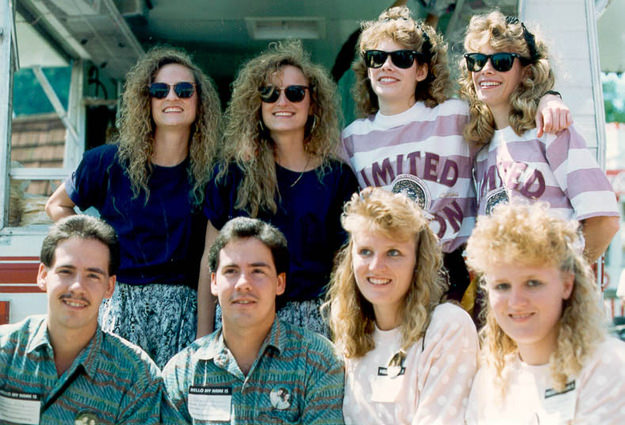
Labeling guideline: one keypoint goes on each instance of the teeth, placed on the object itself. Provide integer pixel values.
(283, 114)
(74, 304)
(173, 109)
(489, 84)
(520, 316)
(387, 79)
(378, 281)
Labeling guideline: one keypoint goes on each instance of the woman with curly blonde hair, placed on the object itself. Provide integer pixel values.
(280, 165)
(409, 359)
(546, 357)
(505, 72)
(149, 186)
(410, 137)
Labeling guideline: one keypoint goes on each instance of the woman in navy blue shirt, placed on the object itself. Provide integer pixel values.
(280, 165)
(149, 186)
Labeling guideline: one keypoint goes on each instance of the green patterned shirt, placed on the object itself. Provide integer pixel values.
(296, 378)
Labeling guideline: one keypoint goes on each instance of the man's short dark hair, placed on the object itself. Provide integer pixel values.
(82, 227)
(244, 227)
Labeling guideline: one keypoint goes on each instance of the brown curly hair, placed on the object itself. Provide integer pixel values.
(136, 126)
(504, 35)
(397, 24)
(529, 234)
(351, 316)
(247, 143)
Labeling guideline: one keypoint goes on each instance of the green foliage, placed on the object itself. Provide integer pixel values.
(28, 96)
(614, 97)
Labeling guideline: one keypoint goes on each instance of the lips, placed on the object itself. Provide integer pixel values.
(377, 281)
(172, 109)
(283, 114)
(74, 302)
(520, 316)
(489, 84)
(387, 80)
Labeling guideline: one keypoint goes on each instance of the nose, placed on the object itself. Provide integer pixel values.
(243, 282)
(377, 263)
(388, 63)
(282, 100)
(488, 66)
(517, 296)
(172, 93)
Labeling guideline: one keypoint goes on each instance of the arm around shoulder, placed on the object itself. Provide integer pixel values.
(598, 232)
(59, 204)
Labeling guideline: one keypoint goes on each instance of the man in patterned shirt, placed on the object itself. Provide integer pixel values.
(256, 369)
(61, 367)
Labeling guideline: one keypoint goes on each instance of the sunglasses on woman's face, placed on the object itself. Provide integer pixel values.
(400, 58)
(183, 90)
(502, 62)
(295, 94)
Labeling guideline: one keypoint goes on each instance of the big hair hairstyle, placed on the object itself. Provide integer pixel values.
(245, 227)
(396, 24)
(530, 235)
(82, 227)
(136, 126)
(505, 34)
(351, 316)
(247, 142)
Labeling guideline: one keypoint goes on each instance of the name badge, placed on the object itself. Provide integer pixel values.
(210, 403)
(19, 408)
(561, 405)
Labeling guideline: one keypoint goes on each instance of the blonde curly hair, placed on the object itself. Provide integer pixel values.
(351, 316)
(505, 34)
(248, 144)
(397, 24)
(529, 235)
(136, 126)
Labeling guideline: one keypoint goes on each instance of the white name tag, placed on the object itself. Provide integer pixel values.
(19, 408)
(210, 403)
(560, 406)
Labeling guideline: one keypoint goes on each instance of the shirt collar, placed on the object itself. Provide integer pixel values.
(215, 344)
(87, 356)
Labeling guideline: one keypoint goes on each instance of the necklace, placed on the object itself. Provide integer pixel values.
(301, 173)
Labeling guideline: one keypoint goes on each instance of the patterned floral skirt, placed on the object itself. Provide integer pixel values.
(159, 318)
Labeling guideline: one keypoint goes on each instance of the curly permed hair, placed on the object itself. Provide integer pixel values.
(529, 235)
(505, 35)
(136, 126)
(247, 143)
(396, 24)
(351, 316)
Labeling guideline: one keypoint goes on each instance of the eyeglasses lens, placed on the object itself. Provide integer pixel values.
(501, 62)
(295, 94)
(400, 58)
(183, 90)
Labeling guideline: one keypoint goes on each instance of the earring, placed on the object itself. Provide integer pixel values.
(313, 123)
(261, 126)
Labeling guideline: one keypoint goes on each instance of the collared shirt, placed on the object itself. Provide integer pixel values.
(111, 381)
(296, 378)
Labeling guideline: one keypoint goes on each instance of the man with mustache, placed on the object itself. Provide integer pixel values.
(61, 367)
(256, 369)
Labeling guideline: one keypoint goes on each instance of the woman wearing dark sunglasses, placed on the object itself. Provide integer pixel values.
(505, 72)
(279, 164)
(410, 139)
(149, 185)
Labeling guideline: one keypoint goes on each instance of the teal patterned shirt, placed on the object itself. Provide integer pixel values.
(296, 379)
(111, 381)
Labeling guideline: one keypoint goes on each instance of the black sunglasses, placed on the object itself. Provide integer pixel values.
(502, 62)
(183, 90)
(294, 93)
(400, 58)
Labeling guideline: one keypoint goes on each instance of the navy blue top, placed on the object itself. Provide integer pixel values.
(308, 215)
(161, 240)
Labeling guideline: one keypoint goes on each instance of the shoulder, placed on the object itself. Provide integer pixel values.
(450, 324)
(358, 126)
(108, 151)
(127, 358)
(309, 344)
(453, 106)
(448, 314)
(14, 333)
(608, 356)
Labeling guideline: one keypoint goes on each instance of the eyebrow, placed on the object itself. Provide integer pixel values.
(90, 269)
(257, 264)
